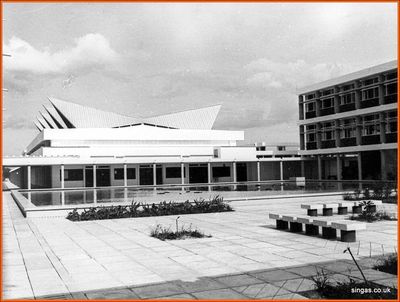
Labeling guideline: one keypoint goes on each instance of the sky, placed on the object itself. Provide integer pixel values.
(144, 59)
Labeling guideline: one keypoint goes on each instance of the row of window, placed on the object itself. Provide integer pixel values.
(347, 87)
(170, 172)
(370, 126)
(349, 98)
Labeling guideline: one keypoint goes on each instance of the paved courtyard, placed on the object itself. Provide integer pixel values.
(246, 257)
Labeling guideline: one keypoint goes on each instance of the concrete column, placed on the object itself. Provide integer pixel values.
(182, 173)
(358, 130)
(209, 173)
(94, 176)
(381, 90)
(317, 104)
(125, 175)
(336, 100)
(383, 165)
(62, 198)
(281, 169)
(339, 171)
(382, 125)
(357, 95)
(258, 171)
(29, 171)
(359, 166)
(303, 173)
(319, 160)
(154, 174)
(318, 135)
(234, 172)
(62, 177)
(301, 108)
(337, 133)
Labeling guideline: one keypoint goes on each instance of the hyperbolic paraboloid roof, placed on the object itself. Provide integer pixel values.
(62, 115)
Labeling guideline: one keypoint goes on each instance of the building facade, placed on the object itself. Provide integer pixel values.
(78, 146)
(348, 126)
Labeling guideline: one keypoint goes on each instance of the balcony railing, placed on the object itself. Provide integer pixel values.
(388, 99)
(369, 103)
(327, 111)
(311, 114)
(311, 145)
(347, 107)
(328, 144)
(391, 137)
(371, 139)
(347, 142)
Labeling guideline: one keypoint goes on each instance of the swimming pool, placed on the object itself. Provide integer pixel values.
(104, 196)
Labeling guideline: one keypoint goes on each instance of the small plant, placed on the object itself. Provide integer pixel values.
(321, 281)
(164, 233)
(387, 264)
(369, 214)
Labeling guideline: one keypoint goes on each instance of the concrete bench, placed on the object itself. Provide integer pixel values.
(312, 209)
(348, 229)
(342, 207)
(329, 226)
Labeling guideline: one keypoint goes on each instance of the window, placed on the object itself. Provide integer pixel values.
(391, 76)
(348, 87)
(174, 172)
(310, 106)
(310, 96)
(348, 98)
(328, 132)
(281, 148)
(311, 133)
(371, 125)
(73, 174)
(260, 148)
(221, 171)
(391, 122)
(327, 103)
(327, 92)
(119, 173)
(370, 93)
(216, 153)
(348, 128)
(370, 81)
(391, 89)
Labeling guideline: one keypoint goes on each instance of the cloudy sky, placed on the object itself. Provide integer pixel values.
(147, 59)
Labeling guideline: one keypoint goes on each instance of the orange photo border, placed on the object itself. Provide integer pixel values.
(182, 1)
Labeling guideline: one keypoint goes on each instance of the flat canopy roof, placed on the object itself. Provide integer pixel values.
(350, 77)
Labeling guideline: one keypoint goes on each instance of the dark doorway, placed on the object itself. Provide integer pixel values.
(159, 176)
(146, 175)
(198, 174)
(371, 165)
(350, 169)
(103, 177)
(89, 177)
(241, 172)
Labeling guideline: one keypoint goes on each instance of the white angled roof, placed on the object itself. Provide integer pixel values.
(86, 117)
(202, 118)
(62, 115)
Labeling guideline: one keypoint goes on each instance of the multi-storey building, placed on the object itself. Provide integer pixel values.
(348, 126)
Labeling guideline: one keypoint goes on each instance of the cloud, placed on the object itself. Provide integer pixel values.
(89, 52)
(267, 73)
(12, 122)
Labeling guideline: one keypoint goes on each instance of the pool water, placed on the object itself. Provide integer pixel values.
(108, 195)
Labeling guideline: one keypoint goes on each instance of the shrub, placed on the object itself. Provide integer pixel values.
(387, 264)
(351, 289)
(135, 209)
(369, 215)
(164, 233)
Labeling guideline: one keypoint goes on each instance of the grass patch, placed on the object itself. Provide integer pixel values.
(351, 289)
(387, 264)
(164, 233)
(135, 209)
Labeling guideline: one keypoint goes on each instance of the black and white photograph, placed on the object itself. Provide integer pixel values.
(199, 150)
